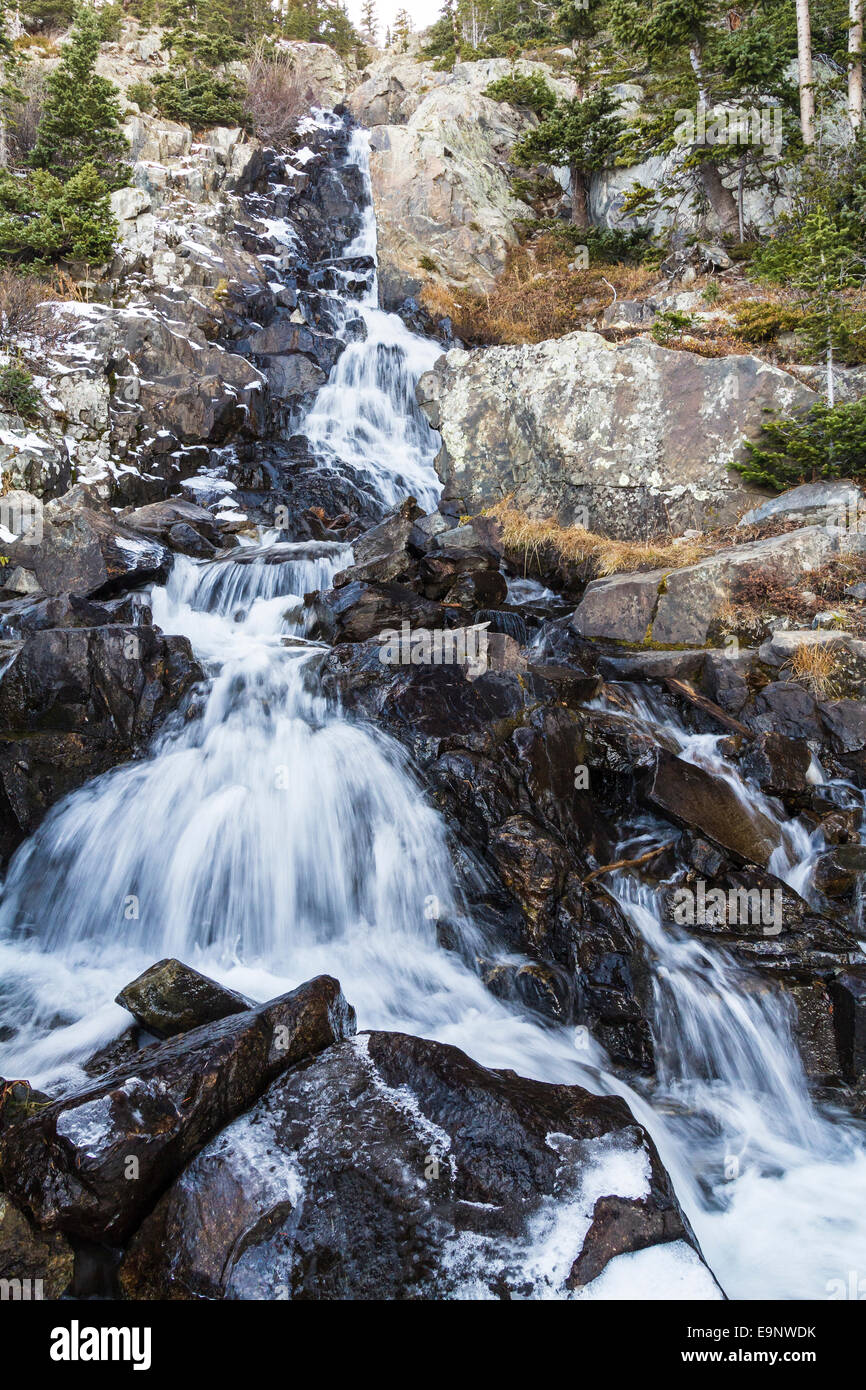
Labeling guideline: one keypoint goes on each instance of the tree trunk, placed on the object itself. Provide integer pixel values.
(804, 68)
(721, 199)
(579, 209)
(695, 60)
(855, 70)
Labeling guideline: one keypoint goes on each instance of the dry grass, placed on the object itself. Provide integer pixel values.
(816, 666)
(536, 297)
(541, 543)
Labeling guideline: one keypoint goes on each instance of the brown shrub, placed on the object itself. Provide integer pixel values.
(279, 91)
(25, 112)
(816, 666)
(23, 311)
(537, 296)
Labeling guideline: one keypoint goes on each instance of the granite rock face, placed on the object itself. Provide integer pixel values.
(627, 438)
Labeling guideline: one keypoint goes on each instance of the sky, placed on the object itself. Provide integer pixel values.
(423, 12)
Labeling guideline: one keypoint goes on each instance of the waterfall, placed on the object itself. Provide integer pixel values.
(271, 838)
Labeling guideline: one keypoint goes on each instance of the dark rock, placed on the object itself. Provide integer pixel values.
(92, 1163)
(33, 1264)
(382, 553)
(89, 553)
(293, 376)
(838, 871)
(619, 1227)
(359, 611)
(845, 721)
(848, 992)
(691, 797)
(778, 764)
(440, 570)
(391, 1167)
(77, 701)
(171, 998)
(158, 519)
(190, 542)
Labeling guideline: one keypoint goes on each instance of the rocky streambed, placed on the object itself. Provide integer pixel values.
(588, 870)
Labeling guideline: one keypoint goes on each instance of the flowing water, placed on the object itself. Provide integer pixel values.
(271, 838)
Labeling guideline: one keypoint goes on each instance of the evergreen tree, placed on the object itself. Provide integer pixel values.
(369, 21)
(80, 121)
(583, 134)
(402, 29)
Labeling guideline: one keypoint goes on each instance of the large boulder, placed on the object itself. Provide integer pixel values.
(92, 1163)
(171, 998)
(70, 546)
(442, 194)
(75, 702)
(629, 438)
(677, 607)
(699, 800)
(391, 1167)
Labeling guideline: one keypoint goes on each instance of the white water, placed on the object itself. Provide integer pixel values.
(272, 839)
(383, 435)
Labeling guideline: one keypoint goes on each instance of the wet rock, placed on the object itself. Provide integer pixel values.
(848, 992)
(92, 1163)
(358, 611)
(814, 1030)
(384, 552)
(838, 871)
(778, 764)
(68, 610)
(621, 1226)
(33, 1264)
(188, 541)
(77, 701)
(391, 1167)
(694, 798)
(161, 518)
(171, 998)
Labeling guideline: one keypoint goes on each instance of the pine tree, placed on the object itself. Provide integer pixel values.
(582, 134)
(369, 21)
(80, 121)
(401, 31)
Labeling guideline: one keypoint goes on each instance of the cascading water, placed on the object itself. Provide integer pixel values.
(384, 435)
(270, 839)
